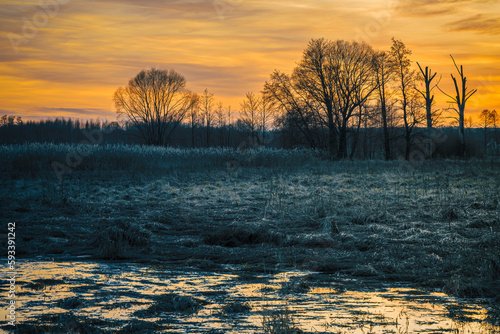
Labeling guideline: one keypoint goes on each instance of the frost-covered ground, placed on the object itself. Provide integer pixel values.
(435, 225)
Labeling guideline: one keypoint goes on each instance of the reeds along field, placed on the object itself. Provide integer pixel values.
(436, 224)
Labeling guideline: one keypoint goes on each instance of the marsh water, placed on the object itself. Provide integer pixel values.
(121, 294)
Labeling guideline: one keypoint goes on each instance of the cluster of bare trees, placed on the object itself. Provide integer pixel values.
(10, 120)
(489, 120)
(342, 86)
(157, 101)
(338, 89)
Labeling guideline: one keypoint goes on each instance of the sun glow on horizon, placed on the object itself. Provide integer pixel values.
(78, 53)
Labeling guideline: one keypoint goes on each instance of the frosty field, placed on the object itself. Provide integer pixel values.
(247, 216)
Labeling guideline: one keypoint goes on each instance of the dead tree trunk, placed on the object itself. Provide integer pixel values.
(463, 94)
(428, 77)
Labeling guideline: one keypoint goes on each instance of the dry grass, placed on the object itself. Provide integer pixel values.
(37, 159)
(436, 225)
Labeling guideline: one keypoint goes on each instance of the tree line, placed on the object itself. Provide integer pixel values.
(342, 97)
(156, 102)
(344, 86)
(338, 91)
(67, 130)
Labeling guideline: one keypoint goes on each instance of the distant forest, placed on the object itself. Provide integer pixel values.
(365, 143)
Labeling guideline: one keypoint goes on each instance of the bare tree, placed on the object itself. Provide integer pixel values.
(427, 77)
(354, 83)
(406, 78)
(486, 119)
(250, 110)
(384, 72)
(229, 126)
(314, 77)
(338, 76)
(494, 115)
(155, 101)
(194, 115)
(297, 108)
(463, 94)
(206, 105)
(266, 115)
(362, 113)
(219, 114)
(431, 116)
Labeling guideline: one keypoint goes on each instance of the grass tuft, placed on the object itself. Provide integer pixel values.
(70, 303)
(236, 307)
(171, 303)
(119, 239)
(449, 213)
(279, 322)
(237, 235)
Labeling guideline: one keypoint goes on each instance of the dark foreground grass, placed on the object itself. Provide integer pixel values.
(42, 159)
(436, 225)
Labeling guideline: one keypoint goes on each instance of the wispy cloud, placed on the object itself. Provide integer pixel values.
(427, 8)
(431, 8)
(75, 112)
(478, 23)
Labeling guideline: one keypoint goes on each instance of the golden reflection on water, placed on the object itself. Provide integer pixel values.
(116, 291)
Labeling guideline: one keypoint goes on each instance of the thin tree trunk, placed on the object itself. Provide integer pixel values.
(332, 136)
(461, 133)
(208, 134)
(343, 140)
(355, 143)
(192, 135)
(387, 143)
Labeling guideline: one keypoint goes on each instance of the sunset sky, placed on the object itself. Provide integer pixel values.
(77, 56)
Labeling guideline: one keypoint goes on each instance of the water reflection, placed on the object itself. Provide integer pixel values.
(178, 300)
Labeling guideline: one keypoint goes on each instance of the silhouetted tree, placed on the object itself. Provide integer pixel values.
(296, 108)
(427, 77)
(229, 126)
(488, 119)
(219, 114)
(406, 79)
(494, 115)
(316, 77)
(11, 120)
(266, 116)
(362, 112)
(155, 101)
(206, 105)
(194, 111)
(383, 68)
(330, 82)
(250, 109)
(431, 116)
(485, 118)
(354, 83)
(463, 94)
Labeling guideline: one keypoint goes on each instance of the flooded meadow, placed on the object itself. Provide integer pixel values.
(315, 247)
(87, 297)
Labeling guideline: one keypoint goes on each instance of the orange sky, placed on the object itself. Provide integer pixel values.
(81, 51)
